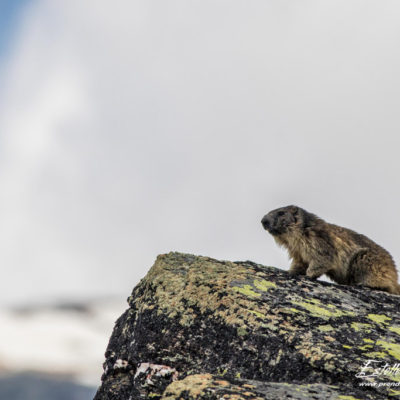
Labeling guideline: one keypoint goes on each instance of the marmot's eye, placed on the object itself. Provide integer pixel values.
(280, 213)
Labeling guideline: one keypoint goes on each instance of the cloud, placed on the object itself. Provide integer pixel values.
(133, 129)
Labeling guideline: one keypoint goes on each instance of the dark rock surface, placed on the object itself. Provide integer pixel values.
(198, 328)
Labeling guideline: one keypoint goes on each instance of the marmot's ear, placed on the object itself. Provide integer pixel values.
(294, 210)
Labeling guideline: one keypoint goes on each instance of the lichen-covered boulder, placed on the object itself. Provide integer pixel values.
(198, 328)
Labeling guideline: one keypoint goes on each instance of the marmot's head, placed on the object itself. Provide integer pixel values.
(283, 220)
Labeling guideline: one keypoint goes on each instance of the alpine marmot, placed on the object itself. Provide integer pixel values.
(317, 247)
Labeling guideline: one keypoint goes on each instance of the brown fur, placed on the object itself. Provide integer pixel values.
(317, 247)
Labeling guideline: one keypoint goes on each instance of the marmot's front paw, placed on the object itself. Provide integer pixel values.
(312, 274)
(294, 273)
(297, 269)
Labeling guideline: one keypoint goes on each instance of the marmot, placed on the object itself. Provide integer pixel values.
(317, 247)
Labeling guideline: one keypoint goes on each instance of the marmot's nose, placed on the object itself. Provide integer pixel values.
(266, 222)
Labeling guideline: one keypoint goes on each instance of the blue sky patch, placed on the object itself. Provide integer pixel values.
(9, 13)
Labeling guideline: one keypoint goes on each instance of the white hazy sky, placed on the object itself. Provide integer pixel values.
(132, 128)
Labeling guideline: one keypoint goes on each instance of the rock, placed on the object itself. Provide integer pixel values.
(198, 328)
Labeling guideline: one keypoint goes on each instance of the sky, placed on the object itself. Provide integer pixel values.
(134, 128)
(9, 12)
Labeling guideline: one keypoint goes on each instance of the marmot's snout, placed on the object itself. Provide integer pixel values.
(267, 222)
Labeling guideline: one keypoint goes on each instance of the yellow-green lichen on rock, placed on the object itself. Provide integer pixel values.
(326, 328)
(379, 318)
(324, 311)
(395, 329)
(358, 327)
(247, 290)
(203, 283)
(393, 349)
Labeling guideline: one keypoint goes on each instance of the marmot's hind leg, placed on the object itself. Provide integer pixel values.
(387, 287)
(378, 277)
(368, 268)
